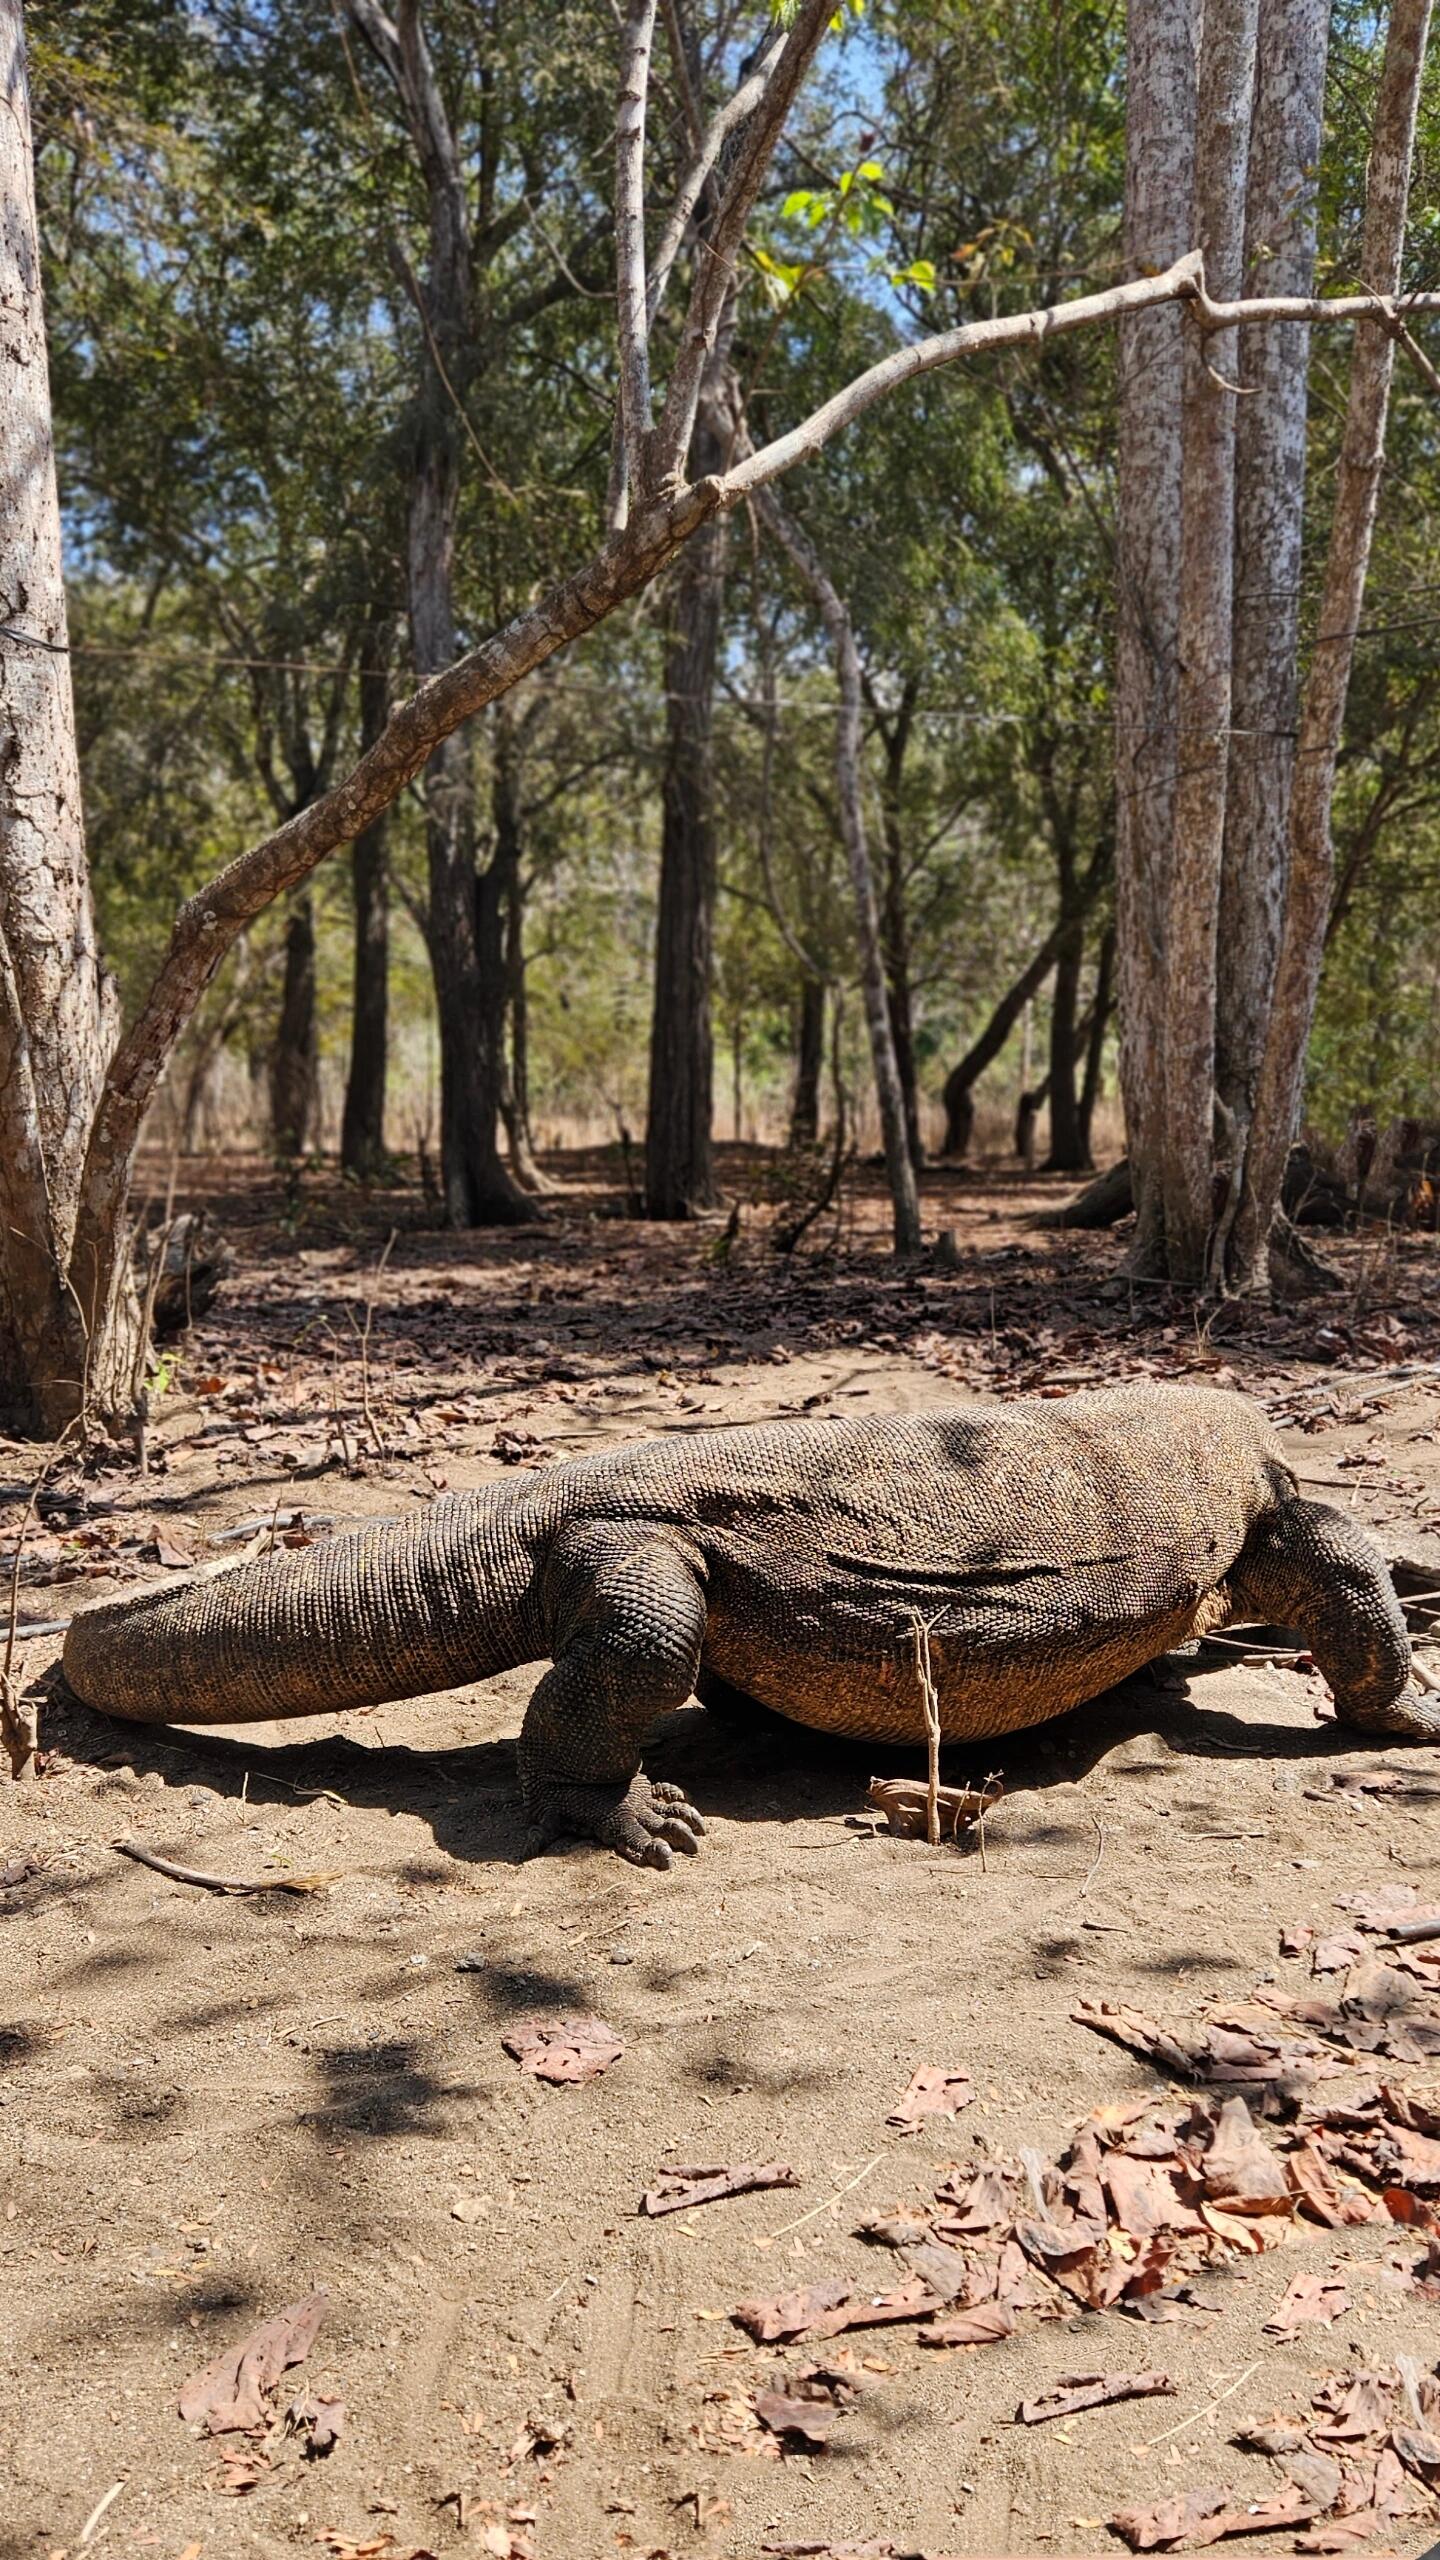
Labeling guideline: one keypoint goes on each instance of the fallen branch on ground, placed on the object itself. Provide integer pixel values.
(223, 1884)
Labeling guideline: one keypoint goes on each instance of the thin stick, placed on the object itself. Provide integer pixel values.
(920, 1638)
(96, 2512)
(840, 2193)
(1197, 2414)
(219, 1884)
(993, 1780)
(1414, 1933)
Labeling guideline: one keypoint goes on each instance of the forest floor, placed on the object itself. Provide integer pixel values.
(213, 2106)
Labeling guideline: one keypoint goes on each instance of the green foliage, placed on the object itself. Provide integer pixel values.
(234, 230)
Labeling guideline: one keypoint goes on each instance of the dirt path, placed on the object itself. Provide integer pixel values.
(213, 2106)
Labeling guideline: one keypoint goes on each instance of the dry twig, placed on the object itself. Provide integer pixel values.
(222, 1884)
(920, 1638)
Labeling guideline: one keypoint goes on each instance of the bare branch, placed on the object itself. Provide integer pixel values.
(632, 307)
(925, 355)
(736, 108)
(1214, 316)
(716, 271)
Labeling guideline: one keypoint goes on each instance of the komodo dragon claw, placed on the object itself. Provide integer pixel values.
(646, 1824)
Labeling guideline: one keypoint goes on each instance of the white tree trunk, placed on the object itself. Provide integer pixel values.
(1362, 454)
(1159, 185)
(57, 1010)
(889, 1095)
(1270, 429)
(1186, 1151)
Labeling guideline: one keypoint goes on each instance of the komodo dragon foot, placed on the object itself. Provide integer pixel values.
(645, 1821)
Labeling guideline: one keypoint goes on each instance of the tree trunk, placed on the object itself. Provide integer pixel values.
(1159, 189)
(1282, 1074)
(497, 916)
(475, 1187)
(1182, 1152)
(1067, 1154)
(679, 1164)
(518, 994)
(1100, 1011)
(362, 1129)
(896, 733)
(959, 1084)
(809, 1064)
(61, 1355)
(295, 1057)
(1270, 426)
(899, 1164)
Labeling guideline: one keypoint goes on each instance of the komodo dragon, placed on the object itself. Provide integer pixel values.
(1053, 1546)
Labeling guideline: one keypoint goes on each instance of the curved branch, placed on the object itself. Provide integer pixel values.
(716, 272)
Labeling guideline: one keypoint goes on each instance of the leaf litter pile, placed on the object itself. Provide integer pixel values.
(1155, 2200)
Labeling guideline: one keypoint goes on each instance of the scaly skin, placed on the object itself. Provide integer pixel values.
(1052, 1547)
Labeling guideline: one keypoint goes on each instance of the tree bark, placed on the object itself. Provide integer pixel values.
(58, 1013)
(809, 1064)
(517, 990)
(1159, 191)
(1274, 366)
(295, 1054)
(1183, 1151)
(896, 731)
(1311, 872)
(679, 1161)
(362, 1129)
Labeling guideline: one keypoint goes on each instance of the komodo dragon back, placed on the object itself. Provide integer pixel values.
(1051, 1545)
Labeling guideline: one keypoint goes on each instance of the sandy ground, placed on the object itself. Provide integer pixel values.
(213, 2106)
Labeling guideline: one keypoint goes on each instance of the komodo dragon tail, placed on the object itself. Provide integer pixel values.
(394, 1611)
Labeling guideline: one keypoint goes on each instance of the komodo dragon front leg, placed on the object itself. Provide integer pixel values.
(624, 1607)
(1306, 1565)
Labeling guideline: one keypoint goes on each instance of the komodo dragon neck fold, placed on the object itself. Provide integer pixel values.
(1056, 1544)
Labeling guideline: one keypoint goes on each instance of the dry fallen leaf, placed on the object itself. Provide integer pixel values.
(1240, 2173)
(932, 2092)
(807, 2405)
(230, 2393)
(676, 2189)
(984, 2326)
(564, 2049)
(905, 1803)
(170, 1546)
(320, 2422)
(1307, 2298)
(824, 2310)
(1205, 2515)
(1076, 2391)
